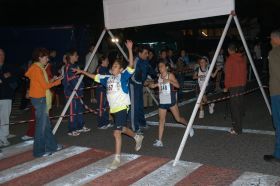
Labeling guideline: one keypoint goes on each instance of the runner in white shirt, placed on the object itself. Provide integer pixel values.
(200, 75)
(167, 98)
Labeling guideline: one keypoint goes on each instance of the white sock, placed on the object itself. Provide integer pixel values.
(118, 157)
(135, 137)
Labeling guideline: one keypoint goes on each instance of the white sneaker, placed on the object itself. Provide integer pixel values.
(211, 108)
(158, 143)
(115, 164)
(191, 132)
(201, 114)
(110, 125)
(4, 142)
(25, 137)
(138, 139)
(84, 129)
(103, 127)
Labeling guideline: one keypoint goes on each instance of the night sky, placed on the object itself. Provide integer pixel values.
(79, 12)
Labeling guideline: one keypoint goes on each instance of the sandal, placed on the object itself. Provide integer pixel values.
(233, 132)
(73, 133)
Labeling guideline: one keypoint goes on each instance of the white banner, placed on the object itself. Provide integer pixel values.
(131, 13)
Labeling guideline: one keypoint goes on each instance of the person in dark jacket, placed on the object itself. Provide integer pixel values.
(8, 84)
(142, 69)
(76, 123)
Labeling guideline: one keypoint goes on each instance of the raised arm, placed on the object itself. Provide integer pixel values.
(129, 45)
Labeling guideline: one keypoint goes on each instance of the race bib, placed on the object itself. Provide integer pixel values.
(202, 78)
(165, 88)
(113, 87)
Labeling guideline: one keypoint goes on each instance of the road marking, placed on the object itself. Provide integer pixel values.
(203, 127)
(39, 163)
(168, 174)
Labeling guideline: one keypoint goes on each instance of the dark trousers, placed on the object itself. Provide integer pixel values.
(137, 107)
(103, 113)
(76, 119)
(275, 104)
(180, 78)
(237, 107)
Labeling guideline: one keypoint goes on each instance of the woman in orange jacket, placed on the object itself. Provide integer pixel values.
(44, 141)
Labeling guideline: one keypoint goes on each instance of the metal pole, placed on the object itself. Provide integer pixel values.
(79, 82)
(252, 63)
(118, 45)
(199, 99)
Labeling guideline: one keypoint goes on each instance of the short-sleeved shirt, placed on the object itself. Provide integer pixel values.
(116, 89)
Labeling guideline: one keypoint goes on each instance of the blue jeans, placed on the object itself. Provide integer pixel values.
(44, 140)
(275, 104)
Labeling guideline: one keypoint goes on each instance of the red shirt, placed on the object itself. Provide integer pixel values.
(235, 71)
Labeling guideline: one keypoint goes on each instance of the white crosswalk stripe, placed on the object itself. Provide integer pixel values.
(16, 149)
(39, 163)
(91, 172)
(168, 174)
(163, 174)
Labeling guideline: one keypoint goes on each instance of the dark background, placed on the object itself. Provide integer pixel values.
(62, 25)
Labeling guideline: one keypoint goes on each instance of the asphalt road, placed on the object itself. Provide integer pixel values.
(212, 147)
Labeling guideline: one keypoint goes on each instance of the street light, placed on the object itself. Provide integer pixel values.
(115, 40)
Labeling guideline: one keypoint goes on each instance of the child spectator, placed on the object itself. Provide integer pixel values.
(76, 123)
(102, 102)
(200, 74)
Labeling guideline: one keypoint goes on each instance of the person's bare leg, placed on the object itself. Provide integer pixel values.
(162, 115)
(128, 132)
(118, 141)
(118, 144)
(175, 111)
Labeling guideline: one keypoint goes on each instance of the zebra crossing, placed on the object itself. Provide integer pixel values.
(77, 165)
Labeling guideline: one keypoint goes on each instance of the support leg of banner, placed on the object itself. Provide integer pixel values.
(252, 63)
(202, 91)
(79, 82)
(152, 95)
(118, 45)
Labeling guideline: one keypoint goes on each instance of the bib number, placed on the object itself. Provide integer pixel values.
(113, 87)
(165, 88)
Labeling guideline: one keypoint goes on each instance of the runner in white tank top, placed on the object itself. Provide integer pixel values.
(167, 95)
(200, 74)
(167, 92)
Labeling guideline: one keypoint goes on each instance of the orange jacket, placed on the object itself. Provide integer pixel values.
(235, 71)
(38, 83)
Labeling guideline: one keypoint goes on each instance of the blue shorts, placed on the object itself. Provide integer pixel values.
(166, 106)
(120, 119)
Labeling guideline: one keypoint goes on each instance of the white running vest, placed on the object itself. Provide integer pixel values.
(201, 76)
(164, 91)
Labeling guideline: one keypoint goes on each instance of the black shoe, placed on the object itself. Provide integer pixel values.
(271, 158)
